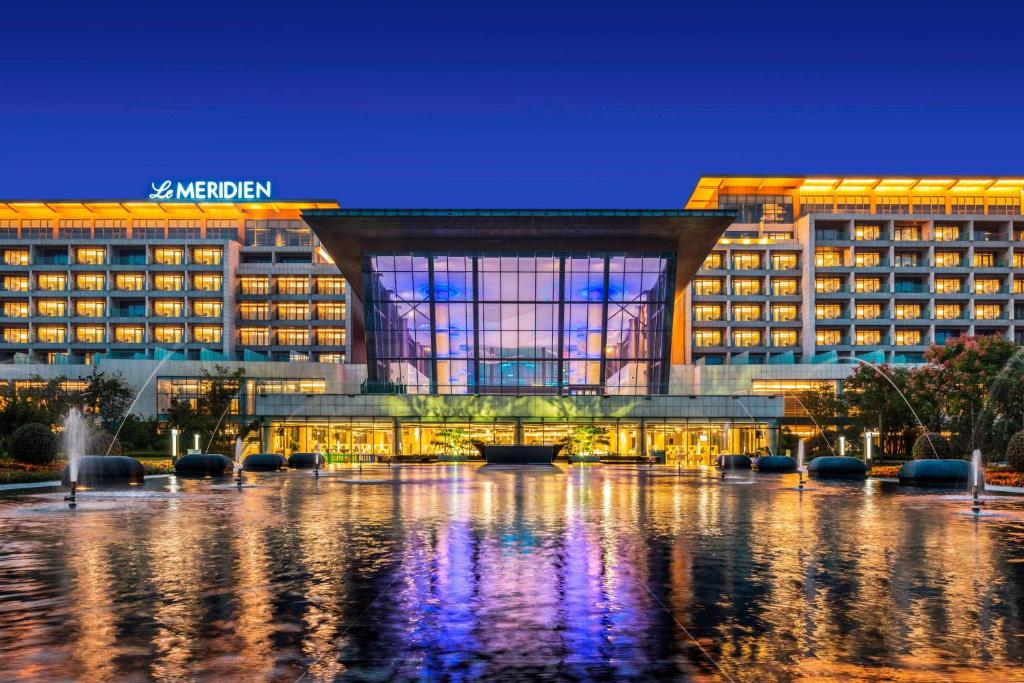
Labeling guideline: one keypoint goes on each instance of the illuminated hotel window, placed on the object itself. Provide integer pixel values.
(8, 228)
(713, 261)
(36, 229)
(207, 256)
(16, 283)
(785, 286)
(868, 337)
(1018, 260)
(961, 204)
(986, 285)
(828, 311)
(785, 338)
(168, 334)
(183, 228)
(987, 311)
(1004, 206)
(90, 334)
(52, 282)
(74, 228)
(707, 286)
(206, 282)
(291, 386)
(906, 232)
(292, 311)
(815, 203)
(255, 285)
(291, 336)
(867, 311)
(168, 256)
(707, 312)
(16, 257)
(16, 309)
(292, 285)
(206, 334)
(168, 308)
(746, 312)
(746, 287)
(329, 358)
(892, 204)
(784, 313)
(90, 308)
(277, 233)
(168, 282)
(906, 311)
(984, 259)
(16, 335)
(254, 310)
(758, 208)
(254, 336)
(90, 282)
(828, 257)
(111, 228)
(93, 256)
(746, 260)
(330, 336)
(330, 285)
(207, 308)
(707, 337)
(1018, 285)
(947, 259)
(51, 308)
(129, 334)
(922, 205)
(828, 285)
(947, 233)
(148, 229)
(867, 285)
(786, 261)
(862, 232)
(746, 338)
(853, 204)
(948, 285)
(827, 337)
(867, 259)
(947, 311)
(221, 229)
(51, 334)
(129, 282)
(907, 337)
(328, 310)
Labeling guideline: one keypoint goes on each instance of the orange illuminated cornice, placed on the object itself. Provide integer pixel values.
(111, 208)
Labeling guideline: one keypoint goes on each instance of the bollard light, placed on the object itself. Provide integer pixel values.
(842, 445)
(196, 441)
(867, 448)
(174, 445)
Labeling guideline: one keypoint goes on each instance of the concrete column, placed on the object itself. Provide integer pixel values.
(396, 436)
(519, 432)
(642, 435)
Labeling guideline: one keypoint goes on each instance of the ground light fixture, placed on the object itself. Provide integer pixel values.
(174, 446)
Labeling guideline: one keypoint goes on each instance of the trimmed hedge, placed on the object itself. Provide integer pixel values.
(34, 443)
(931, 446)
(1015, 451)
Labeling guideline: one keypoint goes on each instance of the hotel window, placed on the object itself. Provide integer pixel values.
(93, 256)
(330, 285)
(254, 336)
(907, 259)
(148, 229)
(330, 311)
(183, 229)
(1018, 285)
(947, 311)
(707, 337)
(907, 337)
(207, 256)
(986, 285)
(960, 204)
(221, 229)
(292, 285)
(111, 229)
(90, 308)
(36, 229)
(293, 311)
(867, 285)
(1018, 260)
(90, 282)
(706, 286)
(906, 232)
(16, 335)
(254, 311)
(168, 308)
(984, 259)
(947, 233)
(1004, 206)
(828, 257)
(828, 311)
(90, 334)
(51, 334)
(746, 286)
(8, 229)
(785, 287)
(16, 309)
(868, 337)
(129, 282)
(867, 311)
(206, 334)
(168, 282)
(330, 336)
(129, 334)
(168, 334)
(862, 232)
(746, 260)
(947, 259)
(816, 203)
(290, 386)
(758, 208)
(785, 338)
(52, 282)
(892, 204)
(827, 337)
(206, 308)
(923, 205)
(853, 204)
(746, 312)
(828, 285)
(277, 233)
(707, 312)
(292, 336)
(746, 338)
(206, 282)
(74, 229)
(948, 285)
(168, 256)
(51, 308)
(867, 259)
(16, 257)
(784, 313)
(907, 311)
(786, 261)
(254, 285)
(330, 358)
(16, 283)
(713, 261)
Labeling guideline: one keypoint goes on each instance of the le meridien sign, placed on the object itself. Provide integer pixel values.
(210, 190)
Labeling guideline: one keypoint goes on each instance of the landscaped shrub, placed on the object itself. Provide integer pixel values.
(34, 443)
(820, 445)
(100, 444)
(931, 446)
(1015, 451)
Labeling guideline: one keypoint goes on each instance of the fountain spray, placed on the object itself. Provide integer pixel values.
(800, 464)
(316, 460)
(75, 437)
(977, 480)
(238, 463)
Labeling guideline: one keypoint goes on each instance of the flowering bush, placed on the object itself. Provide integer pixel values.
(885, 471)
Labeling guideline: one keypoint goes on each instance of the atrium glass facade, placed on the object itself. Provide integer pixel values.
(519, 323)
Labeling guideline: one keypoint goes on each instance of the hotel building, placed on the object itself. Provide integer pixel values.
(684, 332)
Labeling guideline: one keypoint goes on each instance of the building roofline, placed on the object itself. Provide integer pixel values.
(642, 213)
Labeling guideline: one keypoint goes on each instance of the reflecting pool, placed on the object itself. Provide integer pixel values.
(462, 572)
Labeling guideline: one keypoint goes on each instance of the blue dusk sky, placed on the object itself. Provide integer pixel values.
(501, 104)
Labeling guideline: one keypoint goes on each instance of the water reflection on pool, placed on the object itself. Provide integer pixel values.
(456, 571)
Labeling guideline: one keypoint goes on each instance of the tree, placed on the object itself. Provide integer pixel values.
(822, 405)
(109, 398)
(34, 443)
(583, 438)
(34, 401)
(207, 414)
(873, 403)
